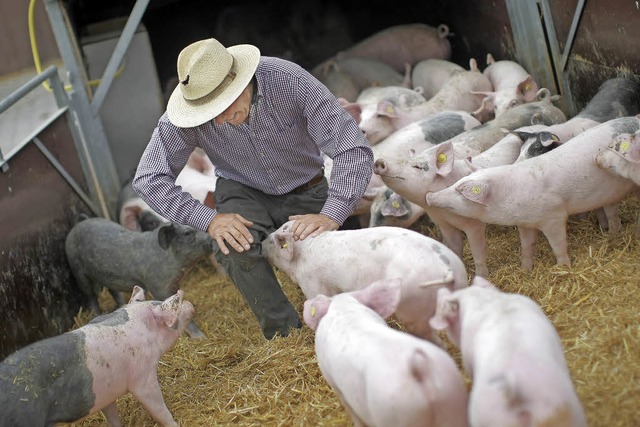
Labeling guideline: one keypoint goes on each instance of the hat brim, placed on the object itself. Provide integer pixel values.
(189, 113)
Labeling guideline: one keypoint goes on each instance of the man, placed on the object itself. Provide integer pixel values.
(264, 122)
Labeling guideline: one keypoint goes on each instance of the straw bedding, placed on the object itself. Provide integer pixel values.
(236, 377)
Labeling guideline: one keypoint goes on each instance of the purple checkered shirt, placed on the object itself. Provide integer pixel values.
(292, 120)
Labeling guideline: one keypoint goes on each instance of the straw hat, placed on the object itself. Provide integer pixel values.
(211, 78)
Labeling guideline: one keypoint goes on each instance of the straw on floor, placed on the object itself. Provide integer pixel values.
(236, 377)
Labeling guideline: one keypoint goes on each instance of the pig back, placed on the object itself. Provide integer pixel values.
(402, 44)
(616, 97)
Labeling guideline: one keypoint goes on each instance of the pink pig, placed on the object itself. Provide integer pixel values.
(384, 377)
(514, 356)
(455, 95)
(541, 192)
(512, 85)
(347, 260)
(76, 374)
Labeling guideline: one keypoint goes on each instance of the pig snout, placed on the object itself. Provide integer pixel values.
(380, 167)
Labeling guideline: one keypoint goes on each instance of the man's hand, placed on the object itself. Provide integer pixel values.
(311, 225)
(231, 228)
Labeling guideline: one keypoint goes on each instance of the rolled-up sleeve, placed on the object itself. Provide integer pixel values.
(154, 180)
(339, 137)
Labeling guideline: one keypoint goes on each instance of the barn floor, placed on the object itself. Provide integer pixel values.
(235, 377)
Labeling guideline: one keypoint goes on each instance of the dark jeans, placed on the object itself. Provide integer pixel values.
(249, 270)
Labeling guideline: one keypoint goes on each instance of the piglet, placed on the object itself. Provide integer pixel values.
(70, 376)
(102, 253)
(514, 356)
(347, 260)
(512, 85)
(384, 377)
(539, 194)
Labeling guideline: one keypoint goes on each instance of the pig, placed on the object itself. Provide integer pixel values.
(366, 72)
(383, 376)
(562, 182)
(398, 45)
(432, 74)
(542, 111)
(367, 102)
(67, 377)
(346, 260)
(512, 85)
(454, 95)
(433, 169)
(617, 97)
(102, 253)
(390, 209)
(132, 211)
(514, 356)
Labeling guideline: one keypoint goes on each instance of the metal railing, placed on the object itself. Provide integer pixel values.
(50, 75)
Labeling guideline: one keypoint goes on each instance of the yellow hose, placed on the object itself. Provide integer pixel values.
(36, 54)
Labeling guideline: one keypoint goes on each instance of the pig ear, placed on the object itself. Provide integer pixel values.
(168, 312)
(129, 218)
(543, 94)
(475, 191)
(444, 158)
(471, 165)
(382, 296)
(537, 118)
(524, 136)
(284, 242)
(446, 311)
(486, 109)
(166, 233)
(315, 309)
(548, 139)
(393, 206)
(482, 283)
(137, 294)
(386, 108)
(528, 89)
(353, 108)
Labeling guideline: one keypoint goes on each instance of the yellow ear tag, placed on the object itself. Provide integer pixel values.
(389, 109)
(442, 158)
(527, 87)
(395, 204)
(475, 189)
(285, 245)
(624, 145)
(313, 310)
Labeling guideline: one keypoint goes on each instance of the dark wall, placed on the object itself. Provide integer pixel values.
(38, 297)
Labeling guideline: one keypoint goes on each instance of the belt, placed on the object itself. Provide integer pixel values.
(312, 182)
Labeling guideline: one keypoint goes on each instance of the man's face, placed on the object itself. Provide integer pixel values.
(238, 112)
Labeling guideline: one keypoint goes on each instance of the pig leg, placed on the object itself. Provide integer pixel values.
(452, 237)
(613, 218)
(556, 233)
(478, 246)
(528, 239)
(111, 414)
(148, 393)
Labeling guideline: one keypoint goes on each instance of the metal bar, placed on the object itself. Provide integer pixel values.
(23, 90)
(15, 150)
(102, 176)
(65, 175)
(572, 33)
(119, 51)
(564, 88)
